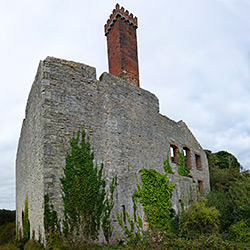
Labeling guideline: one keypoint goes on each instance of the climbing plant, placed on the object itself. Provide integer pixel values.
(155, 196)
(182, 169)
(26, 222)
(167, 167)
(51, 222)
(84, 196)
(134, 232)
(108, 206)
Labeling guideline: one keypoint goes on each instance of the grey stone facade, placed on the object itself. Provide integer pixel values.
(126, 131)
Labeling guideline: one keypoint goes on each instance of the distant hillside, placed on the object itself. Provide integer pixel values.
(7, 216)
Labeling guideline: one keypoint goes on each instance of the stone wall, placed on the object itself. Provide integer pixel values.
(126, 131)
(30, 157)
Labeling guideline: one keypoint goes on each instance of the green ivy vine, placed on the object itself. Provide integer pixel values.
(167, 167)
(182, 169)
(135, 230)
(155, 196)
(51, 223)
(108, 206)
(87, 206)
(83, 190)
(26, 222)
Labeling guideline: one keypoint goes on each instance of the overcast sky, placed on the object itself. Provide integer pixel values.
(193, 55)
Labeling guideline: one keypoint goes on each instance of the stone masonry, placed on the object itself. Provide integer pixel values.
(126, 131)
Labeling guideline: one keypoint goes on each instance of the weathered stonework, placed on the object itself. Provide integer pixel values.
(126, 131)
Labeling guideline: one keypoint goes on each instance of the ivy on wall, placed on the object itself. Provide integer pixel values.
(87, 206)
(182, 169)
(26, 222)
(83, 190)
(134, 232)
(155, 196)
(51, 223)
(108, 206)
(167, 167)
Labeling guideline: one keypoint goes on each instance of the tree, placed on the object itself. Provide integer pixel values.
(222, 160)
(224, 169)
(230, 188)
(7, 216)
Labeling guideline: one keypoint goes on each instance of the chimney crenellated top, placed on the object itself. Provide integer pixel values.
(124, 14)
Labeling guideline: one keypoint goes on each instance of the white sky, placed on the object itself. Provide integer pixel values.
(193, 55)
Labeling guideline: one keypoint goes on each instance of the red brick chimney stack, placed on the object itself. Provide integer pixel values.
(120, 31)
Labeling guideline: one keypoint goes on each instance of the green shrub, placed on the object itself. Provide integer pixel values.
(239, 232)
(7, 233)
(233, 202)
(200, 219)
(55, 240)
(9, 246)
(245, 214)
(223, 202)
(33, 245)
(210, 241)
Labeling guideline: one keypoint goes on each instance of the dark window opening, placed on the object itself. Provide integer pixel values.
(187, 155)
(173, 153)
(198, 161)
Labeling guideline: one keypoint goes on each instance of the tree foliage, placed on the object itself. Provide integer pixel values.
(222, 160)
(230, 188)
(239, 232)
(7, 216)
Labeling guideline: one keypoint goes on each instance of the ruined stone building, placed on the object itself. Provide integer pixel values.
(126, 130)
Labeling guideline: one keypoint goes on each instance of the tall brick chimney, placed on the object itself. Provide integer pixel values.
(120, 31)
